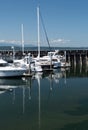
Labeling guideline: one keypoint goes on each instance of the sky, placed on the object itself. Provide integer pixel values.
(66, 22)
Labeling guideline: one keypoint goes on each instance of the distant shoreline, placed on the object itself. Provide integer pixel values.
(34, 48)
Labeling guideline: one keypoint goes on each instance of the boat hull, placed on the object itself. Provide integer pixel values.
(11, 72)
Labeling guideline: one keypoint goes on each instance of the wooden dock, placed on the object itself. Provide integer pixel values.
(72, 55)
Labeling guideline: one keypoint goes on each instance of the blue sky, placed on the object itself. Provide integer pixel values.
(66, 22)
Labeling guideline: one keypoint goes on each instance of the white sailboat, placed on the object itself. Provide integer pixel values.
(27, 61)
(36, 66)
(51, 60)
(40, 60)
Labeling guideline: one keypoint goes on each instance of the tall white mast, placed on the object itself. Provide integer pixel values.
(38, 32)
(22, 39)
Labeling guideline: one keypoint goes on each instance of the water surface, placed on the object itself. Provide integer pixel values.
(48, 101)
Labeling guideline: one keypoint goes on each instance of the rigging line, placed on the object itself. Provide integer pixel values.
(45, 31)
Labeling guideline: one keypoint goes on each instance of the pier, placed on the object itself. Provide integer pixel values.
(74, 56)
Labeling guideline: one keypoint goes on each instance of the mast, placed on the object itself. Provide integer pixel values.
(22, 39)
(38, 32)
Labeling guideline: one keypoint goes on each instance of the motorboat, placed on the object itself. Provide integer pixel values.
(50, 60)
(57, 59)
(29, 63)
(10, 70)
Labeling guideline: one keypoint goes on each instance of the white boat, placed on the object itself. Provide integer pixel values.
(28, 61)
(23, 62)
(53, 59)
(36, 67)
(57, 59)
(10, 70)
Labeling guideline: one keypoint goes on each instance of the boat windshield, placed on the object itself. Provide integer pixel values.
(3, 63)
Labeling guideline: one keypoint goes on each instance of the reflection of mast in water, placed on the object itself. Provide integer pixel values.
(13, 95)
(86, 68)
(51, 82)
(80, 65)
(39, 99)
(29, 93)
(74, 68)
(23, 99)
(29, 88)
(50, 78)
(38, 76)
(28, 82)
(64, 76)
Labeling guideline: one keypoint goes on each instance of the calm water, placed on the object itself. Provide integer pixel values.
(53, 101)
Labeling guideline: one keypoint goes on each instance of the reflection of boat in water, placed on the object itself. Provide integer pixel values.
(15, 86)
(38, 75)
(7, 84)
(12, 81)
(4, 88)
(55, 76)
(10, 84)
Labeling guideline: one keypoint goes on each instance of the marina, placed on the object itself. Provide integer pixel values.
(44, 65)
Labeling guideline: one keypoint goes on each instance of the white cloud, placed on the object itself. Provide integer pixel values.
(9, 41)
(60, 40)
